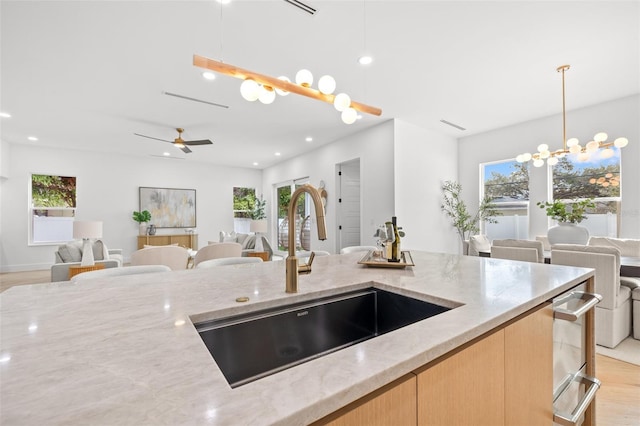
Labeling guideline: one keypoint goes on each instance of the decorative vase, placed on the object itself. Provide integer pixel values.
(568, 233)
(142, 229)
(152, 230)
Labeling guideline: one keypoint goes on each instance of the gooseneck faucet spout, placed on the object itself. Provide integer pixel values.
(292, 260)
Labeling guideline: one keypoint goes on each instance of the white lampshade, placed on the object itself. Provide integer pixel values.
(259, 225)
(349, 116)
(87, 229)
(304, 78)
(250, 90)
(327, 84)
(342, 101)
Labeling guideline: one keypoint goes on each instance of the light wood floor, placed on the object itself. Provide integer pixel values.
(617, 403)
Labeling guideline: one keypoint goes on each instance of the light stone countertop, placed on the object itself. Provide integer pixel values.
(124, 350)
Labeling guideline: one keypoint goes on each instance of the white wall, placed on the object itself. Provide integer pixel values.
(374, 148)
(616, 118)
(423, 160)
(107, 190)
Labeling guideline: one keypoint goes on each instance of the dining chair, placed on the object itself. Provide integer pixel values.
(217, 251)
(175, 257)
(518, 244)
(526, 254)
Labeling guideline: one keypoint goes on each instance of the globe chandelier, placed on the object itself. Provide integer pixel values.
(264, 88)
(599, 144)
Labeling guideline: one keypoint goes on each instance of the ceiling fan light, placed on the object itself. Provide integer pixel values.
(250, 90)
(327, 84)
(280, 91)
(178, 145)
(342, 101)
(304, 78)
(349, 116)
(621, 142)
(600, 137)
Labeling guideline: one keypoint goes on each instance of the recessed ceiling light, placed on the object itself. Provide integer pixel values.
(208, 75)
(5, 115)
(308, 139)
(255, 164)
(365, 60)
(32, 138)
(166, 154)
(277, 154)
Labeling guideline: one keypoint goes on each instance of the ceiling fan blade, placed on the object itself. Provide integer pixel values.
(185, 149)
(151, 137)
(199, 142)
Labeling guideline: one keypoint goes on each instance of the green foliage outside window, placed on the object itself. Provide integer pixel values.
(244, 200)
(570, 182)
(53, 191)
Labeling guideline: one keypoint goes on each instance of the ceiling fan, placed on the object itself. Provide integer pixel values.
(179, 142)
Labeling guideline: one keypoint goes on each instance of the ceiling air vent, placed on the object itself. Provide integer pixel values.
(194, 99)
(452, 125)
(310, 10)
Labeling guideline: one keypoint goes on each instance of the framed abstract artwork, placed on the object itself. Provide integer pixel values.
(169, 207)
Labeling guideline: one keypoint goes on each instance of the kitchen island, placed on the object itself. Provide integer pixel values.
(124, 350)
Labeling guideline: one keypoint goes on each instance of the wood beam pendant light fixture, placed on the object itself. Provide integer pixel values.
(264, 88)
(572, 146)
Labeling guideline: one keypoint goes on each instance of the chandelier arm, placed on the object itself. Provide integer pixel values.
(243, 74)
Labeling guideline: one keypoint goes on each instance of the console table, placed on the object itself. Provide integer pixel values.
(189, 241)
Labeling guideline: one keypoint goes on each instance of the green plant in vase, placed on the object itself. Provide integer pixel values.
(143, 217)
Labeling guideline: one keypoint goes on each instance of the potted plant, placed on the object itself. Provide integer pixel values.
(568, 215)
(142, 218)
(462, 220)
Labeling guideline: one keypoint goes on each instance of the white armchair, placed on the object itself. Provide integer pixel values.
(70, 254)
(613, 313)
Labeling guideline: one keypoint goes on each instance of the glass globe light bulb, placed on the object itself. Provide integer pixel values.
(606, 153)
(583, 156)
(575, 149)
(526, 156)
(592, 146)
(552, 161)
(545, 154)
(543, 147)
(349, 115)
(280, 91)
(538, 163)
(342, 101)
(250, 90)
(519, 158)
(304, 78)
(621, 142)
(573, 141)
(327, 84)
(267, 95)
(600, 137)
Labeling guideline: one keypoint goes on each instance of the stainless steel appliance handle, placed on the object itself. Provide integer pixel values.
(592, 299)
(573, 418)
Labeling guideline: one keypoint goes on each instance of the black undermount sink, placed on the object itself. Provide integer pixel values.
(255, 345)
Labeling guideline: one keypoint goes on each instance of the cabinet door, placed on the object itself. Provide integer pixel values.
(466, 388)
(529, 369)
(394, 404)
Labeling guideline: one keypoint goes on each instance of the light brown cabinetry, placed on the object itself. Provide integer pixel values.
(393, 404)
(185, 240)
(502, 378)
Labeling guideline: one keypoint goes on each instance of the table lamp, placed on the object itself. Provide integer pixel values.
(87, 230)
(258, 226)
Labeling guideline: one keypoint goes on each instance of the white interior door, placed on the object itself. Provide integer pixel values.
(349, 204)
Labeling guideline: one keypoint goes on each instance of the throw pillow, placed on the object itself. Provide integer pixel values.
(70, 253)
(228, 238)
(241, 238)
(478, 243)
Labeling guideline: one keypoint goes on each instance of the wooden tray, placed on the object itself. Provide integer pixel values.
(377, 262)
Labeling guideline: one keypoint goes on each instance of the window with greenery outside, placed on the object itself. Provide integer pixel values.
(53, 204)
(506, 184)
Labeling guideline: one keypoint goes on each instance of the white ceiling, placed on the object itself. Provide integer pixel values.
(89, 74)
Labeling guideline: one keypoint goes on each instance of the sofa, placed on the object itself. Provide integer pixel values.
(70, 254)
(247, 241)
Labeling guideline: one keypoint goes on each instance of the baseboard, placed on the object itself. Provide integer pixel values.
(25, 267)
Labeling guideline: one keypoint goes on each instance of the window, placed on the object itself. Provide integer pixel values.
(243, 202)
(52, 208)
(507, 184)
(598, 178)
(303, 209)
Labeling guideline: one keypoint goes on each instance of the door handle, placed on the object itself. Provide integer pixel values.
(573, 418)
(592, 299)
